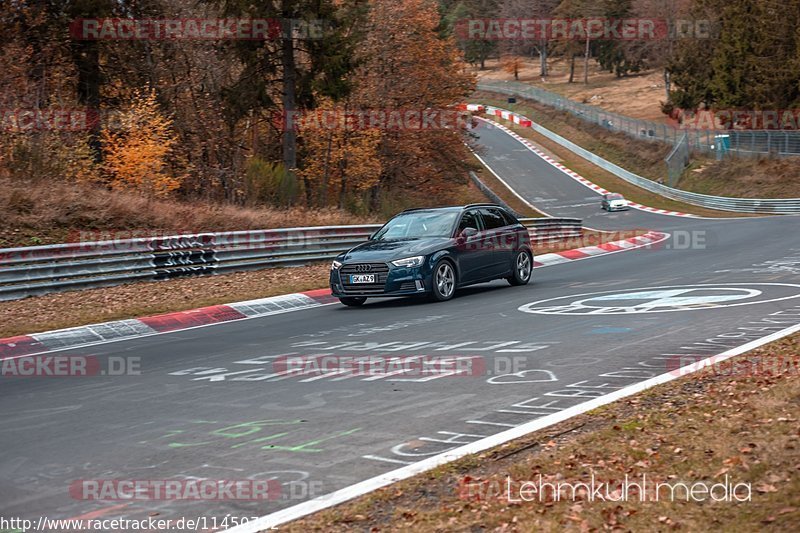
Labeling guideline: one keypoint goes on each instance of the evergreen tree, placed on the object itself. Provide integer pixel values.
(614, 55)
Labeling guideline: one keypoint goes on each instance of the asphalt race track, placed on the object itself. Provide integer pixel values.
(207, 403)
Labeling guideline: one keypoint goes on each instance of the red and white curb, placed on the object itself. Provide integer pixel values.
(527, 123)
(83, 336)
(118, 330)
(648, 239)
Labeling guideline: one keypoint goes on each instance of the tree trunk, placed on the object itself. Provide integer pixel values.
(586, 63)
(86, 57)
(326, 173)
(572, 69)
(543, 58)
(289, 90)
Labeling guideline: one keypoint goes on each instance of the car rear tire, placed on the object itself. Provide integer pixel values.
(353, 301)
(443, 281)
(522, 268)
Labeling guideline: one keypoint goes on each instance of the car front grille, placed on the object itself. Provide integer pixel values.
(381, 271)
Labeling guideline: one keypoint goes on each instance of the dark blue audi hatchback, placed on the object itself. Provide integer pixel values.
(433, 252)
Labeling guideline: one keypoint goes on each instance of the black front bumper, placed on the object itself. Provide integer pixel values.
(391, 281)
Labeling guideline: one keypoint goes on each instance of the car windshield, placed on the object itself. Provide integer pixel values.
(418, 224)
(615, 197)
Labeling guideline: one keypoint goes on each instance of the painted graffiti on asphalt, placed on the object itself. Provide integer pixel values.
(419, 362)
(552, 397)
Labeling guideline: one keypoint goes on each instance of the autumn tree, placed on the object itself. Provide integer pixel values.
(340, 159)
(304, 66)
(137, 147)
(529, 9)
(513, 64)
(571, 48)
(407, 65)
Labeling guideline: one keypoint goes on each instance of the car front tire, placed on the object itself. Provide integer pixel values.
(522, 268)
(353, 301)
(443, 281)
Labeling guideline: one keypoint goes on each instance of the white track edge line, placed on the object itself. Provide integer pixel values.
(509, 187)
(359, 489)
(566, 170)
(515, 193)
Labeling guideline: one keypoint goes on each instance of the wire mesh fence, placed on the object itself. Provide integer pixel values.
(721, 143)
(677, 160)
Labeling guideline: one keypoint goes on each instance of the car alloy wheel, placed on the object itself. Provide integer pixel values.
(522, 269)
(444, 281)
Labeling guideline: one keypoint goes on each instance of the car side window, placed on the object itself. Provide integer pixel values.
(492, 219)
(510, 220)
(469, 220)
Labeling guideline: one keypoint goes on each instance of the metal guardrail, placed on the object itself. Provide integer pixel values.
(744, 143)
(37, 270)
(722, 203)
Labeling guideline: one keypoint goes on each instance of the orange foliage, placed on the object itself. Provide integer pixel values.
(512, 65)
(340, 159)
(137, 147)
(406, 64)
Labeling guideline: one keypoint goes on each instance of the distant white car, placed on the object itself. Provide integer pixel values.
(615, 202)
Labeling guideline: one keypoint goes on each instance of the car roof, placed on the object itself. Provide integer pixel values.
(452, 208)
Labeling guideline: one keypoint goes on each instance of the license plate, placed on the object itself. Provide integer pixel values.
(362, 278)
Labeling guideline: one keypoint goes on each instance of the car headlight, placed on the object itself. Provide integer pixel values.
(409, 262)
(336, 265)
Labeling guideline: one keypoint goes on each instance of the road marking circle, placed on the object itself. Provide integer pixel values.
(661, 299)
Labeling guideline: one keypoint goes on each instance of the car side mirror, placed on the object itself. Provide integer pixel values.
(467, 233)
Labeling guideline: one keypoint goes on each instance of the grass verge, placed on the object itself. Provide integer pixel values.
(739, 421)
(36, 213)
